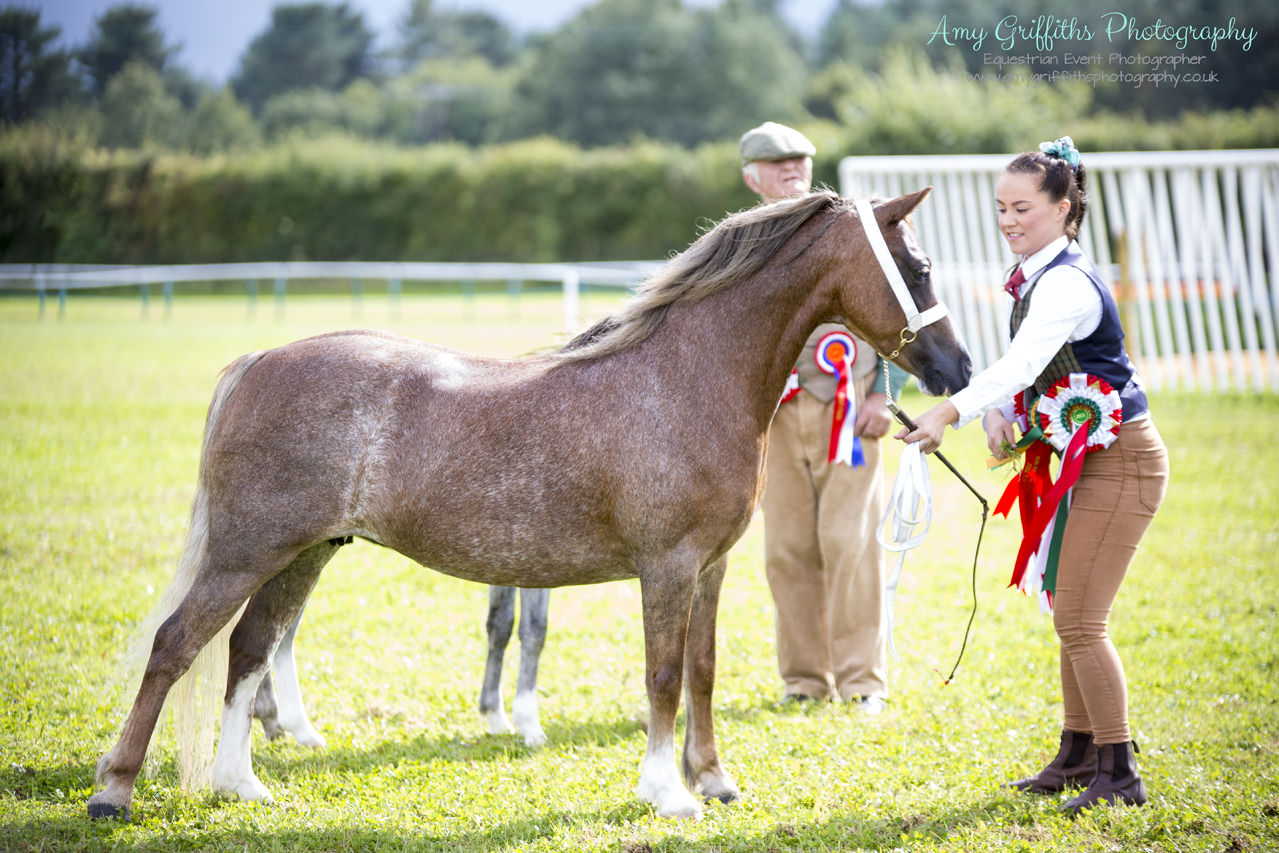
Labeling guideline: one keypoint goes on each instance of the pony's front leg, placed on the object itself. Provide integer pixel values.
(534, 605)
(667, 595)
(702, 769)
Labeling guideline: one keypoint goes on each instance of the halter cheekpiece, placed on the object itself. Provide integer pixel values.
(915, 319)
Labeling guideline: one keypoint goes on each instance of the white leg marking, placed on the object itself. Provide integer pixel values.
(498, 724)
(233, 764)
(288, 697)
(660, 784)
(524, 711)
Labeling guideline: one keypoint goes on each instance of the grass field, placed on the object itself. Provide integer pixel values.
(100, 421)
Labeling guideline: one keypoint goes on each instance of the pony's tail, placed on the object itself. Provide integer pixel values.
(196, 699)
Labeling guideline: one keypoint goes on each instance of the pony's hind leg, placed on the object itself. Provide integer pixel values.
(270, 612)
(498, 625)
(702, 769)
(285, 712)
(265, 707)
(211, 601)
(534, 604)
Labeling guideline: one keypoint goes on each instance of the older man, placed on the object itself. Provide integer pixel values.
(824, 492)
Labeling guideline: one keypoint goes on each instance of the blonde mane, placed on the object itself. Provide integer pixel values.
(733, 250)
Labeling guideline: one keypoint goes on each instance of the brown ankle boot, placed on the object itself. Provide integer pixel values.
(1117, 780)
(1074, 766)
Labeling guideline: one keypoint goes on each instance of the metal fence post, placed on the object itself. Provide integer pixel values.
(281, 283)
(572, 285)
(514, 290)
(393, 288)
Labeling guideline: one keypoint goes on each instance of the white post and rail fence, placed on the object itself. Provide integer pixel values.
(1188, 241)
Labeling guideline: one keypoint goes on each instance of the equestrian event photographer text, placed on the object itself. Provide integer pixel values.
(1044, 31)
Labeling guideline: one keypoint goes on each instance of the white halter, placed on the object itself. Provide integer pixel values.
(915, 319)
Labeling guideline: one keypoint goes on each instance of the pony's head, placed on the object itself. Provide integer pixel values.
(868, 305)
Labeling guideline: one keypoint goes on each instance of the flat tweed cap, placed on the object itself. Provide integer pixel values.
(773, 141)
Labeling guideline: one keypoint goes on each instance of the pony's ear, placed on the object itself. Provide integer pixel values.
(891, 212)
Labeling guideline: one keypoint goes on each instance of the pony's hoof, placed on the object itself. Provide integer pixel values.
(497, 722)
(681, 811)
(725, 797)
(674, 803)
(722, 789)
(248, 789)
(99, 810)
(311, 738)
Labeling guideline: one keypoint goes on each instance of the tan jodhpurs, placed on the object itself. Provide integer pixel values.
(1111, 506)
(824, 567)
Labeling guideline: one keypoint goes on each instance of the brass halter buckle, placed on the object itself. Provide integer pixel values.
(907, 337)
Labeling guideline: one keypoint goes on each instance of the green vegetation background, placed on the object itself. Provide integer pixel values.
(610, 137)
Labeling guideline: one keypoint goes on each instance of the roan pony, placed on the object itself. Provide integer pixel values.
(635, 451)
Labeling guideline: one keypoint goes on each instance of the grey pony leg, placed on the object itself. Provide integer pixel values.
(501, 619)
(534, 604)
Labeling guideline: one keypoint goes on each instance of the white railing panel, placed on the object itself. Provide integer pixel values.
(1188, 241)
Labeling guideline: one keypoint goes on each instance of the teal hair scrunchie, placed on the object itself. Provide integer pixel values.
(1062, 149)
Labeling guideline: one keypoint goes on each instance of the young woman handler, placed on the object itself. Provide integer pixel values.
(1064, 321)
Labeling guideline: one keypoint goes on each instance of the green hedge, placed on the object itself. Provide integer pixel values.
(338, 199)
(537, 200)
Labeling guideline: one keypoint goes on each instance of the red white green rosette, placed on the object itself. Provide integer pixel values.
(1077, 415)
(1076, 401)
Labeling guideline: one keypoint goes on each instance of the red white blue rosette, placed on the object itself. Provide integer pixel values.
(835, 353)
(1079, 401)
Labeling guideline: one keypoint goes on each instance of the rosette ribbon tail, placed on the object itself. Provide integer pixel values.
(1072, 463)
(1031, 477)
(845, 447)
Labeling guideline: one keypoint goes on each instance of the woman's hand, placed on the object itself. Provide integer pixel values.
(930, 427)
(1000, 434)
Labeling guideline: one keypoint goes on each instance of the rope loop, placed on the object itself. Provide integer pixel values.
(908, 516)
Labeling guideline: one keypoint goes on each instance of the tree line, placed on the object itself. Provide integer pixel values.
(619, 72)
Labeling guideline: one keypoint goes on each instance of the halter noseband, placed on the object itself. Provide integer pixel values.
(915, 319)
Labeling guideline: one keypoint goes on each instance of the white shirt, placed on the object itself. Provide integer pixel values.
(1066, 308)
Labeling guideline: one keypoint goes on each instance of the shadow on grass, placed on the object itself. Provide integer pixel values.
(44, 784)
(284, 757)
(846, 830)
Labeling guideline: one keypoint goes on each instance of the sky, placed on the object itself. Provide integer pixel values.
(213, 34)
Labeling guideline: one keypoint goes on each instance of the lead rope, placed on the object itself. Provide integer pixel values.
(912, 491)
(911, 494)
